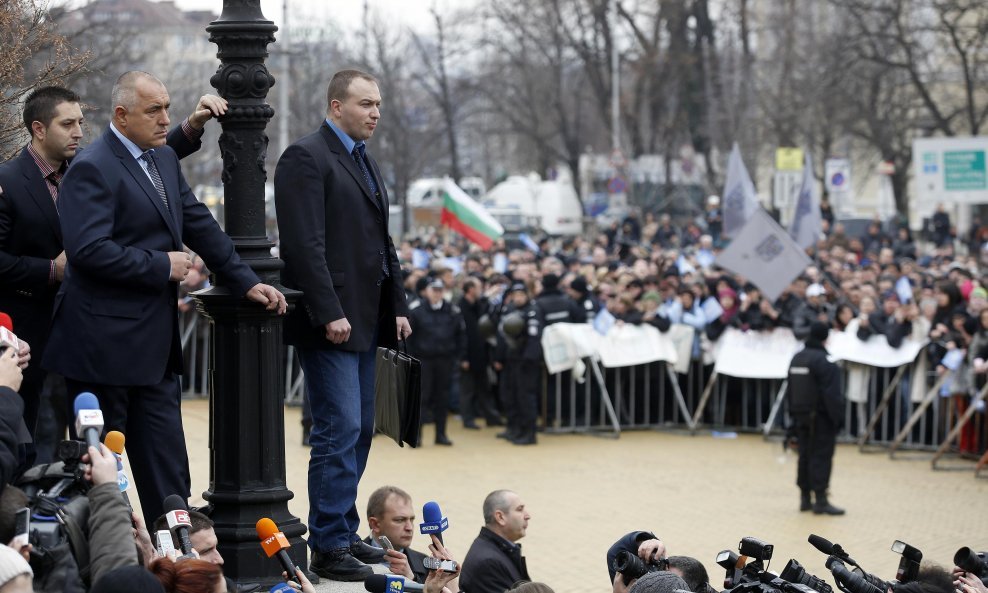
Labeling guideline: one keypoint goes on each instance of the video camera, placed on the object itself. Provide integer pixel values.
(753, 577)
(973, 562)
(632, 567)
(857, 580)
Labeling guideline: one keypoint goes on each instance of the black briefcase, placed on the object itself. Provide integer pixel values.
(398, 395)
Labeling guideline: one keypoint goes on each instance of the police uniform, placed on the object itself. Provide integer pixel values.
(519, 349)
(816, 407)
(439, 338)
(556, 307)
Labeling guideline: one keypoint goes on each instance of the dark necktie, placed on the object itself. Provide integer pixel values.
(55, 178)
(358, 155)
(155, 176)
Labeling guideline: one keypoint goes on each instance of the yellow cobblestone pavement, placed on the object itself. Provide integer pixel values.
(700, 494)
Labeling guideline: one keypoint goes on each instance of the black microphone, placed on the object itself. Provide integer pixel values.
(88, 418)
(177, 515)
(388, 583)
(830, 549)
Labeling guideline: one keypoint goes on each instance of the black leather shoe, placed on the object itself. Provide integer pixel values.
(805, 502)
(339, 565)
(528, 439)
(444, 441)
(471, 426)
(366, 553)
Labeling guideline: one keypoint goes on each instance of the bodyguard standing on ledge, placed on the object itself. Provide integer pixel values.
(333, 221)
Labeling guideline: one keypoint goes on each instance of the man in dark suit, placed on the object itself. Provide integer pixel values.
(390, 514)
(494, 562)
(32, 260)
(333, 222)
(125, 212)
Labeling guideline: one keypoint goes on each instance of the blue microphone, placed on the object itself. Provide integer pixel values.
(387, 583)
(433, 521)
(282, 588)
(88, 418)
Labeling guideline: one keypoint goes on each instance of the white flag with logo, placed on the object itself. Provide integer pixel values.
(740, 200)
(807, 223)
(764, 253)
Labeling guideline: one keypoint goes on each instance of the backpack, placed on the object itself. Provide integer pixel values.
(59, 528)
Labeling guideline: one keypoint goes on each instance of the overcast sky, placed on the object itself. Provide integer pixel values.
(348, 15)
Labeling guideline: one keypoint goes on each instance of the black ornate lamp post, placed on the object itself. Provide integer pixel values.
(247, 428)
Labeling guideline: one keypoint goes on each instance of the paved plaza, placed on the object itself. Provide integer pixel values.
(698, 493)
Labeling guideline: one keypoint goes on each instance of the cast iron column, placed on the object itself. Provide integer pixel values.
(247, 428)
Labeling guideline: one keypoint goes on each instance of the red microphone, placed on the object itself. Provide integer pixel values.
(275, 543)
(7, 337)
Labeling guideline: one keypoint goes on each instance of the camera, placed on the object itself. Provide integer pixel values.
(795, 573)
(753, 578)
(909, 564)
(632, 567)
(973, 562)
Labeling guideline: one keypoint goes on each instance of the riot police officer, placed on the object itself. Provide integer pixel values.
(439, 339)
(519, 356)
(816, 407)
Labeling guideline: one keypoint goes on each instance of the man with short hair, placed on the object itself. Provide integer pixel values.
(126, 211)
(201, 534)
(333, 221)
(390, 514)
(494, 562)
(32, 260)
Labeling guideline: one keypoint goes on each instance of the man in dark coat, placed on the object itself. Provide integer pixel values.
(332, 208)
(126, 211)
(475, 388)
(438, 343)
(32, 259)
(494, 562)
(816, 406)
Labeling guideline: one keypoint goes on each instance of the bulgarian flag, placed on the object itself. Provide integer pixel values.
(465, 216)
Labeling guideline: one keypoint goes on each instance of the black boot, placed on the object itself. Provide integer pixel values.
(805, 501)
(823, 507)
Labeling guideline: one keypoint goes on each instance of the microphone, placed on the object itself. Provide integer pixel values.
(114, 441)
(177, 515)
(275, 543)
(830, 549)
(282, 588)
(7, 337)
(433, 522)
(387, 583)
(88, 418)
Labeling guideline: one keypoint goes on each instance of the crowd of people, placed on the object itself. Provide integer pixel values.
(96, 243)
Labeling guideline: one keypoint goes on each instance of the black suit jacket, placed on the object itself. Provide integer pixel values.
(492, 565)
(333, 235)
(30, 237)
(115, 320)
(414, 560)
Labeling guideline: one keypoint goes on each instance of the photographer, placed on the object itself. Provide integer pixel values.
(111, 542)
(643, 544)
(12, 429)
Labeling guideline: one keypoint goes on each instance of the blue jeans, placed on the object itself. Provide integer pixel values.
(340, 386)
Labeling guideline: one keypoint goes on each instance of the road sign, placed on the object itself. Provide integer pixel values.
(617, 185)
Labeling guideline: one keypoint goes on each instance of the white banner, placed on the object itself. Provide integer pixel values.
(755, 355)
(564, 344)
(876, 352)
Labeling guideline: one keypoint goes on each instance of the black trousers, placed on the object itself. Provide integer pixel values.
(150, 417)
(520, 395)
(437, 373)
(475, 396)
(817, 439)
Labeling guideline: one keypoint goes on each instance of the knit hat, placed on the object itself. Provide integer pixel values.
(579, 284)
(819, 332)
(128, 579)
(659, 582)
(12, 565)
